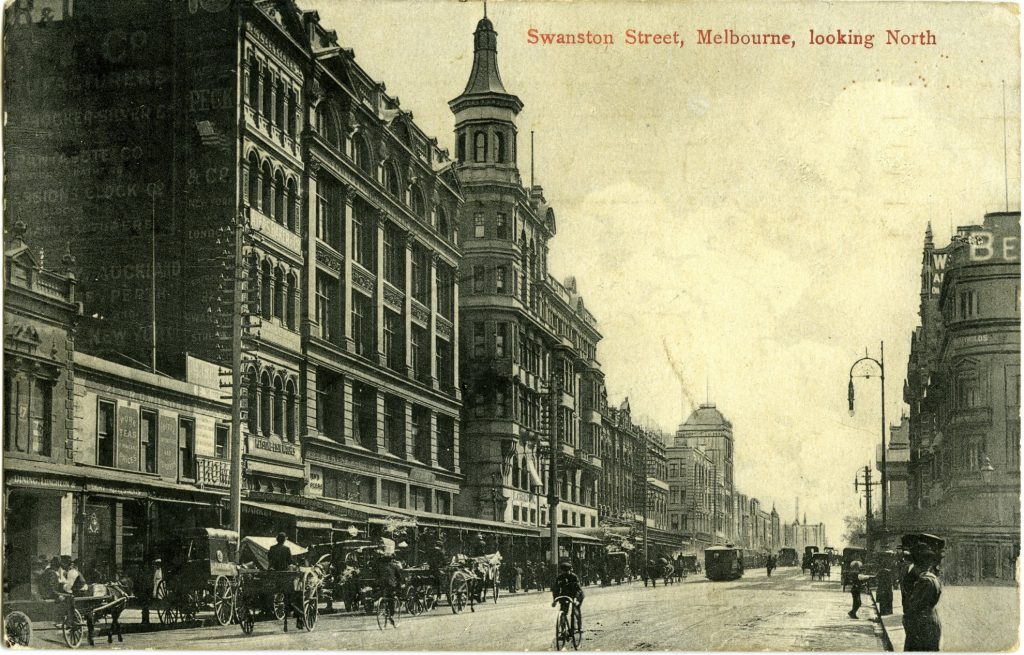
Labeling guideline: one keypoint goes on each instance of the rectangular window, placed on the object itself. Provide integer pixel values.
(394, 426)
(27, 410)
(479, 279)
(446, 441)
(222, 436)
(420, 353)
(394, 258)
(419, 499)
(392, 493)
(327, 307)
(364, 416)
(515, 512)
(394, 353)
(445, 363)
(420, 276)
(479, 339)
(444, 502)
(421, 434)
(330, 403)
(446, 291)
(105, 417)
(147, 441)
(499, 279)
(362, 324)
(186, 448)
(478, 225)
(565, 517)
(501, 226)
(500, 339)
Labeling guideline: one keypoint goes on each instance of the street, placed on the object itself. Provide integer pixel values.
(787, 612)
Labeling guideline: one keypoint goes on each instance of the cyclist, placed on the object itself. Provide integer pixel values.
(391, 583)
(568, 584)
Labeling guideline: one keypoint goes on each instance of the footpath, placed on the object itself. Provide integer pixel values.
(974, 618)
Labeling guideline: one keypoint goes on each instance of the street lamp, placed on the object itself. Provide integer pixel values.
(880, 362)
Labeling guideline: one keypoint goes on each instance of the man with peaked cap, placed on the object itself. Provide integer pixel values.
(920, 619)
(908, 574)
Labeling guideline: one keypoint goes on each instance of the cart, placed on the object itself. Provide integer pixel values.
(19, 616)
(284, 590)
(197, 573)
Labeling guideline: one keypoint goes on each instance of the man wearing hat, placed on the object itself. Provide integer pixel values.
(856, 587)
(920, 619)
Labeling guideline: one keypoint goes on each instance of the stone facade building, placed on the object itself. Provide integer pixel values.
(963, 388)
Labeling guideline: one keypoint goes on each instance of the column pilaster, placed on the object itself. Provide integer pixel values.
(433, 321)
(310, 321)
(378, 310)
(410, 243)
(348, 200)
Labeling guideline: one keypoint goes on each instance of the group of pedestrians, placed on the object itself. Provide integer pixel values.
(920, 590)
(526, 575)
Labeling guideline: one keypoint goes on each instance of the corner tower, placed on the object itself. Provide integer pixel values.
(485, 114)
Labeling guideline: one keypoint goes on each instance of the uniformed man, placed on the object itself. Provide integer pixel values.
(921, 620)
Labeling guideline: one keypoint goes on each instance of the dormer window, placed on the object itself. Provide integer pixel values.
(480, 147)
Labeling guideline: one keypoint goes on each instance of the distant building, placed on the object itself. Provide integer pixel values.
(800, 535)
(708, 429)
(963, 389)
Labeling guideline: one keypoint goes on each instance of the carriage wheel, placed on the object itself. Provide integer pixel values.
(279, 606)
(223, 600)
(190, 608)
(310, 612)
(17, 629)
(160, 600)
(73, 629)
(458, 601)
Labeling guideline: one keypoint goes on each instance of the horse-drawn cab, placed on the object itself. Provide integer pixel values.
(805, 563)
(688, 563)
(820, 566)
(197, 572)
(850, 572)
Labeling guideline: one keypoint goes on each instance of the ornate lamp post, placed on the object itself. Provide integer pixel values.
(880, 362)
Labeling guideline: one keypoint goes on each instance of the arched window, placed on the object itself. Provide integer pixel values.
(268, 189)
(293, 301)
(480, 147)
(460, 151)
(279, 190)
(253, 400)
(290, 412)
(266, 396)
(280, 293)
(361, 154)
(254, 180)
(390, 180)
(266, 291)
(499, 147)
(291, 202)
(279, 412)
(327, 124)
(416, 203)
(253, 285)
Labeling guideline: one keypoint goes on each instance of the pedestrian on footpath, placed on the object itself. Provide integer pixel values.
(923, 629)
(856, 587)
(883, 590)
(770, 565)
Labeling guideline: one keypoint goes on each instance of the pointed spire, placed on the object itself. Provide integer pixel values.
(484, 78)
(928, 242)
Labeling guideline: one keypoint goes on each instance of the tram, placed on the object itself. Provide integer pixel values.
(723, 563)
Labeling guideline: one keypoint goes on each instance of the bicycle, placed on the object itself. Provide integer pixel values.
(567, 626)
(388, 610)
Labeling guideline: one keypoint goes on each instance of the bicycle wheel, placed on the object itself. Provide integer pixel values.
(561, 630)
(73, 629)
(309, 614)
(575, 630)
(381, 610)
(413, 605)
(17, 629)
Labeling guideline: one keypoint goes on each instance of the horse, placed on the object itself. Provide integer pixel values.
(488, 569)
(120, 592)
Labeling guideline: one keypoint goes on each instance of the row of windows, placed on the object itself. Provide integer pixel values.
(28, 401)
(497, 147)
(272, 97)
(108, 440)
(330, 416)
(273, 405)
(361, 488)
(272, 192)
(275, 291)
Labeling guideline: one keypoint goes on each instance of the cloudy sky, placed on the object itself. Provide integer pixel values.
(746, 218)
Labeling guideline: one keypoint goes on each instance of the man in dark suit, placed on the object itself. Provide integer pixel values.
(280, 556)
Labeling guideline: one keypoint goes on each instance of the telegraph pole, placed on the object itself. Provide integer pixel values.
(556, 388)
(864, 485)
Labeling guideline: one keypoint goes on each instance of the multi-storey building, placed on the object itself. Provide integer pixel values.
(144, 137)
(708, 428)
(619, 450)
(692, 494)
(800, 535)
(529, 363)
(963, 388)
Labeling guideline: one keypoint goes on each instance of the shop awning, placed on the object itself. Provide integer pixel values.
(274, 469)
(534, 474)
(579, 536)
(304, 518)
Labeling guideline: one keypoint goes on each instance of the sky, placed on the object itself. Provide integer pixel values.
(743, 221)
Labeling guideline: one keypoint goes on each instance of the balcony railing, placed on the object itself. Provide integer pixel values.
(212, 472)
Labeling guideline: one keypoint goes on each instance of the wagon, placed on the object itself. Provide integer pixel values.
(197, 573)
